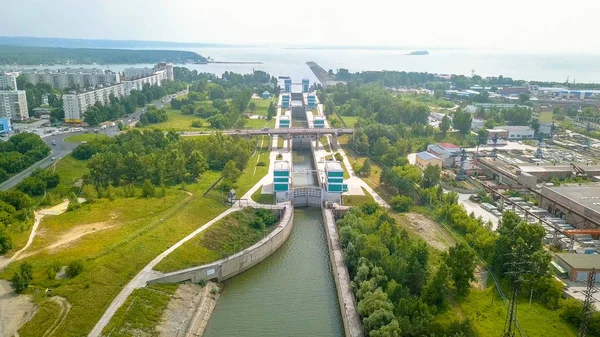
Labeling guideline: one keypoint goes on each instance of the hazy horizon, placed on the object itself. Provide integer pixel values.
(518, 26)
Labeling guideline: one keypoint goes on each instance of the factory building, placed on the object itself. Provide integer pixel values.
(287, 84)
(578, 266)
(312, 100)
(285, 101)
(284, 122)
(305, 85)
(447, 152)
(516, 132)
(424, 159)
(571, 202)
(334, 174)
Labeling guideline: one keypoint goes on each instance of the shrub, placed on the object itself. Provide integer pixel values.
(75, 268)
(148, 190)
(266, 216)
(279, 157)
(261, 163)
(401, 203)
(21, 279)
(5, 241)
(197, 124)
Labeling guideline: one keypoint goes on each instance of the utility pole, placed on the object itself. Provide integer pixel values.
(517, 267)
(588, 303)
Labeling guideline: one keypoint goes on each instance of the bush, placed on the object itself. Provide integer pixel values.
(401, 203)
(21, 279)
(338, 157)
(197, 124)
(261, 163)
(279, 156)
(148, 190)
(5, 241)
(266, 216)
(75, 268)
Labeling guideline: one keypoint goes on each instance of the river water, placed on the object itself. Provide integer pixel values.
(291, 293)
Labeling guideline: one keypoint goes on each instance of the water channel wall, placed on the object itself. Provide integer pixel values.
(350, 316)
(238, 263)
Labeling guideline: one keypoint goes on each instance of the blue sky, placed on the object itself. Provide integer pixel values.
(516, 25)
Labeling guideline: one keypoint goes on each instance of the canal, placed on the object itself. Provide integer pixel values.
(291, 293)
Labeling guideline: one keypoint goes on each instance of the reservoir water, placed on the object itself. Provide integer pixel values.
(291, 293)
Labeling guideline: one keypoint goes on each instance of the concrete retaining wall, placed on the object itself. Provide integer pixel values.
(238, 263)
(350, 316)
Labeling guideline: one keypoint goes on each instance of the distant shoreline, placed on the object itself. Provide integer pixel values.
(233, 62)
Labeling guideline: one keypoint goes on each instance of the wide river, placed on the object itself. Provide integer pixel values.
(291, 293)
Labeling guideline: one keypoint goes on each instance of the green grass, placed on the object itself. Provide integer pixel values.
(224, 238)
(112, 257)
(267, 199)
(373, 179)
(354, 200)
(323, 140)
(46, 315)
(262, 106)
(85, 137)
(179, 122)
(280, 142)
(141, 312)
(488, 319)
(456, 138)
(315, 111)
(258, 123)
(70, 169)
(350, 120)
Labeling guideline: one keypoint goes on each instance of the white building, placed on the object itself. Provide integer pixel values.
(517, 132)
(446, 152)
(168, 67)
(131, 73)
(155, 78)
(477, 124)
(13, 104)
(75, 105)
(8, 80)
(73, 78)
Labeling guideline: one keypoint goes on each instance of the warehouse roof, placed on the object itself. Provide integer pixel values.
(426, 155)
(588, 196)
(580, 261)
(514, 128)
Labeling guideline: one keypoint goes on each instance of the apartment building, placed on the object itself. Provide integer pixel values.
(8, 81)
(76, 104)
(155, 78)
(131, 73)
(73, 78)
(168, 67)
(13, 104)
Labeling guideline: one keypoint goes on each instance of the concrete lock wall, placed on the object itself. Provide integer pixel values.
(346, 301)
(237, 263)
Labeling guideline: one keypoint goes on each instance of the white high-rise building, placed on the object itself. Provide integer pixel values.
(137, 84)
(13, 104)
(8, 81)
(131, 73)
(168, 67)
(75, 105)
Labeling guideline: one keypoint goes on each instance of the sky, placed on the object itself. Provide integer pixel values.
(513, 25)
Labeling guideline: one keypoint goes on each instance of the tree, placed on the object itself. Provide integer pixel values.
(431, 176)
(535, 125)
(74, 268)
(461, 260)
(462, 122)
(271, 111)
(482, 137)
(435, 290)
(365, 169)
(89, 193)
(445, 124)
(401, 203)
(230, 175)
(148, 190)
(252, 106)
(524, 98)
(5, 240)
(21, 278)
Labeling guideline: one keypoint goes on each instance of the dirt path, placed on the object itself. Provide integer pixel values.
(65, 307)
(430, 231)
(15, 310)
(188, 311)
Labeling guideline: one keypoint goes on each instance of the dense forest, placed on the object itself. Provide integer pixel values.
(45, 55)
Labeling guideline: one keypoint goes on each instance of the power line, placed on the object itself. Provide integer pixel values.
(587, 311)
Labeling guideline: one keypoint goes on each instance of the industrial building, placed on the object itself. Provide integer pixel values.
(8, 81)
(287, 85)
(311, 101)
(334, 175)
(424, 159)
(76, 104)
(72, 78)
(305, 85)
(285, 101)
(285, 122)
(477, 124)
(516, 132)
(447, 152)
(13, 104)
(578, 205)
(578, 266)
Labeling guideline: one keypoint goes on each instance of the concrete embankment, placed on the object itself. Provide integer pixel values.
(350, 316)
(238, 263)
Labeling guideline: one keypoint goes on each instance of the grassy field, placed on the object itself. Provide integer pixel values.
(258, 123)
(179, 122)
(112, 257)
(373, 179)
(46, 315)
(141, 312)
(226, 237)
(262, 106)
(85, 137)
(268, 199)
(354, 200)
(70, 169)
(350, 120)
(280, 142)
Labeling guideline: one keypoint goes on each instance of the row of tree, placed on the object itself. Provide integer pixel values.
(135, 156)
(19, 152)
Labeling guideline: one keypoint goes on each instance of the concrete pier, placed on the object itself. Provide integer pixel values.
(350, 316)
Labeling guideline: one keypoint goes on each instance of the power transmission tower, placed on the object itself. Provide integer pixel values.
(517, 267)
(588, 303)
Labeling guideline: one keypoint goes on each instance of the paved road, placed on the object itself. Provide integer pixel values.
(62, 148)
